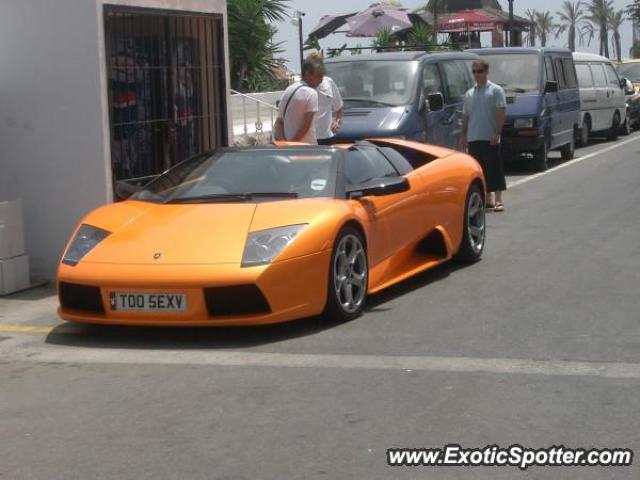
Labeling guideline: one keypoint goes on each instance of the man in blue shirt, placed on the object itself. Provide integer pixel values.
(482, 121)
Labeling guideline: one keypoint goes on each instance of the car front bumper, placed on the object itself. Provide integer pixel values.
(294, 288)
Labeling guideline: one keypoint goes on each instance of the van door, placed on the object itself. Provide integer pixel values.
(567, 89)
(432, 83)
(603, 108)
(457, 80)
(616, 94)
(550, 119)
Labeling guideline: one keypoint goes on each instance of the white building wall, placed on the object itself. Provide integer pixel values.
(54, 120)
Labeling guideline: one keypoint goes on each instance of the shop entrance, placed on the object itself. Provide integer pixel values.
(166, 80)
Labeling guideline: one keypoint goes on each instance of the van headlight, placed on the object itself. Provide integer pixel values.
(84, 241)
(523, 123)
(264, 245)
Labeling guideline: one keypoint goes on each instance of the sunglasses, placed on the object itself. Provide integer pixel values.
(478, 71)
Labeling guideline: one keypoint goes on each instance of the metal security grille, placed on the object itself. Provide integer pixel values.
(166, 88)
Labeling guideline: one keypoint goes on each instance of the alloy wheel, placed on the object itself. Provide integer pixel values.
(476, 222)
(350, 273)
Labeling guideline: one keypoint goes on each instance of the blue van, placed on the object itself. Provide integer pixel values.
(543, 101)
(410, 95)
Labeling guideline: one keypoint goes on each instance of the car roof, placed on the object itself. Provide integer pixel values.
(403, 56)
(481, 51)
(589, 57)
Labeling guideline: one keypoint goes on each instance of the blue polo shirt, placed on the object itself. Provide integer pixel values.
(480, 105)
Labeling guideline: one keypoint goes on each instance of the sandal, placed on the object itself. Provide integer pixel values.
(499, 207)
(489, 206)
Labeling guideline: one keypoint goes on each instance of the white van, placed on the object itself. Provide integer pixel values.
(603, 105)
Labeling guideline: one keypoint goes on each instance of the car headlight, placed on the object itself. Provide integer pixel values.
(85, 240)
(263, 246)
(523, 123)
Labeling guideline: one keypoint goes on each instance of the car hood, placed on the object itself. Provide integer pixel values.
(359, 123)
(213, 233)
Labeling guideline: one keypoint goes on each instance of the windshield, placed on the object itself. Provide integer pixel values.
(515, 72)
(375, 82)
(247, 175)
(630, 71)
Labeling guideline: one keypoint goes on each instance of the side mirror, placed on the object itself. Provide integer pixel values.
(379, 187)
(623, 83)
(434, 102)
(124, 189)
(551, 86)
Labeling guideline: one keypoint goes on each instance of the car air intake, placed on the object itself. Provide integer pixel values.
(235, 300)
(80, 297)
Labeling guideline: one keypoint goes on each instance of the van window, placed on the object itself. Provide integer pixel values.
(562, 82)
(515, 72)
(456, 81)
(614, 81)
(585, 80)
(431, 79)
(550, 75)
(569, 73)
(599, 78)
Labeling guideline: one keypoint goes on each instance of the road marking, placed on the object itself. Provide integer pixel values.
(571, 162)
(216, 358)
(24, 329)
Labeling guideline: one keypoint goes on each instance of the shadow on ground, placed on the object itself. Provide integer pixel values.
(101, 336)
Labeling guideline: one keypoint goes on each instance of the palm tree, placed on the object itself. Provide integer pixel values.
(530, 15)
(252, 49)
(599, 19)
(571, 17)
(616, 19)
(420, 35)
(544, 26)
(384, 38)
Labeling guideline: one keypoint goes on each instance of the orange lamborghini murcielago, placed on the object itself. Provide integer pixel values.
(246, 236)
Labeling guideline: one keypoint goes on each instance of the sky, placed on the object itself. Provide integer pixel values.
(314, 9)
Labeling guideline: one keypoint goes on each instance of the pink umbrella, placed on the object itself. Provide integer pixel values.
(378, 17)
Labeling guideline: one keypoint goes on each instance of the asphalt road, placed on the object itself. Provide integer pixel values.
(538, 344)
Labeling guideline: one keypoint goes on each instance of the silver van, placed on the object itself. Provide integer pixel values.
(603, 104)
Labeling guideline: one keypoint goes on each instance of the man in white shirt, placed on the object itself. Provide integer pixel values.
(298, 106)
(329, 117)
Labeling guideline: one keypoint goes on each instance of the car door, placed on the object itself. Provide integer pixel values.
(603, 108)
(433, 120)
(457, 81)
(587, 89)
(562, 123)
(391, 217)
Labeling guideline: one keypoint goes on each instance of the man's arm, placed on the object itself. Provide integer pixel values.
(307, 123)
(463, 132)
(500, 117)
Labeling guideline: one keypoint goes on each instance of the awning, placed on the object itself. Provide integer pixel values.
(469, 21)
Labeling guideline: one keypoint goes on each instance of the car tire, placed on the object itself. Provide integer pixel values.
(625, 129)
(614, 130)
(568, 151)
(475, 227)
(348, 272)
(541, 158)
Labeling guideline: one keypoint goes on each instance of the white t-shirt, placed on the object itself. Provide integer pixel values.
(329, 101)
(304, 99)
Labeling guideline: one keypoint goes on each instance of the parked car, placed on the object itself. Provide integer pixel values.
(543, 102)
(630, 69)
(409, 95)
(602, 96)
(270, 234)
(632, 96)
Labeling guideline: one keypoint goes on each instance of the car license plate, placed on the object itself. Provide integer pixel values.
(148, 302)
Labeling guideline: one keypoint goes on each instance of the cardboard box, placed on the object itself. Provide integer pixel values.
(14, 274)
(11, 230)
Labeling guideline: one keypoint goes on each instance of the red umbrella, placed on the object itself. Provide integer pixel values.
(468, 21)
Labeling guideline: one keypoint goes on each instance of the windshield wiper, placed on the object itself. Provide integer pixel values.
(368, 100)
(230, 197)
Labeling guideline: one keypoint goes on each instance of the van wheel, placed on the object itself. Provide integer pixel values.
(541, 158)
(568, 151)
(614, 131)
(585, 131)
